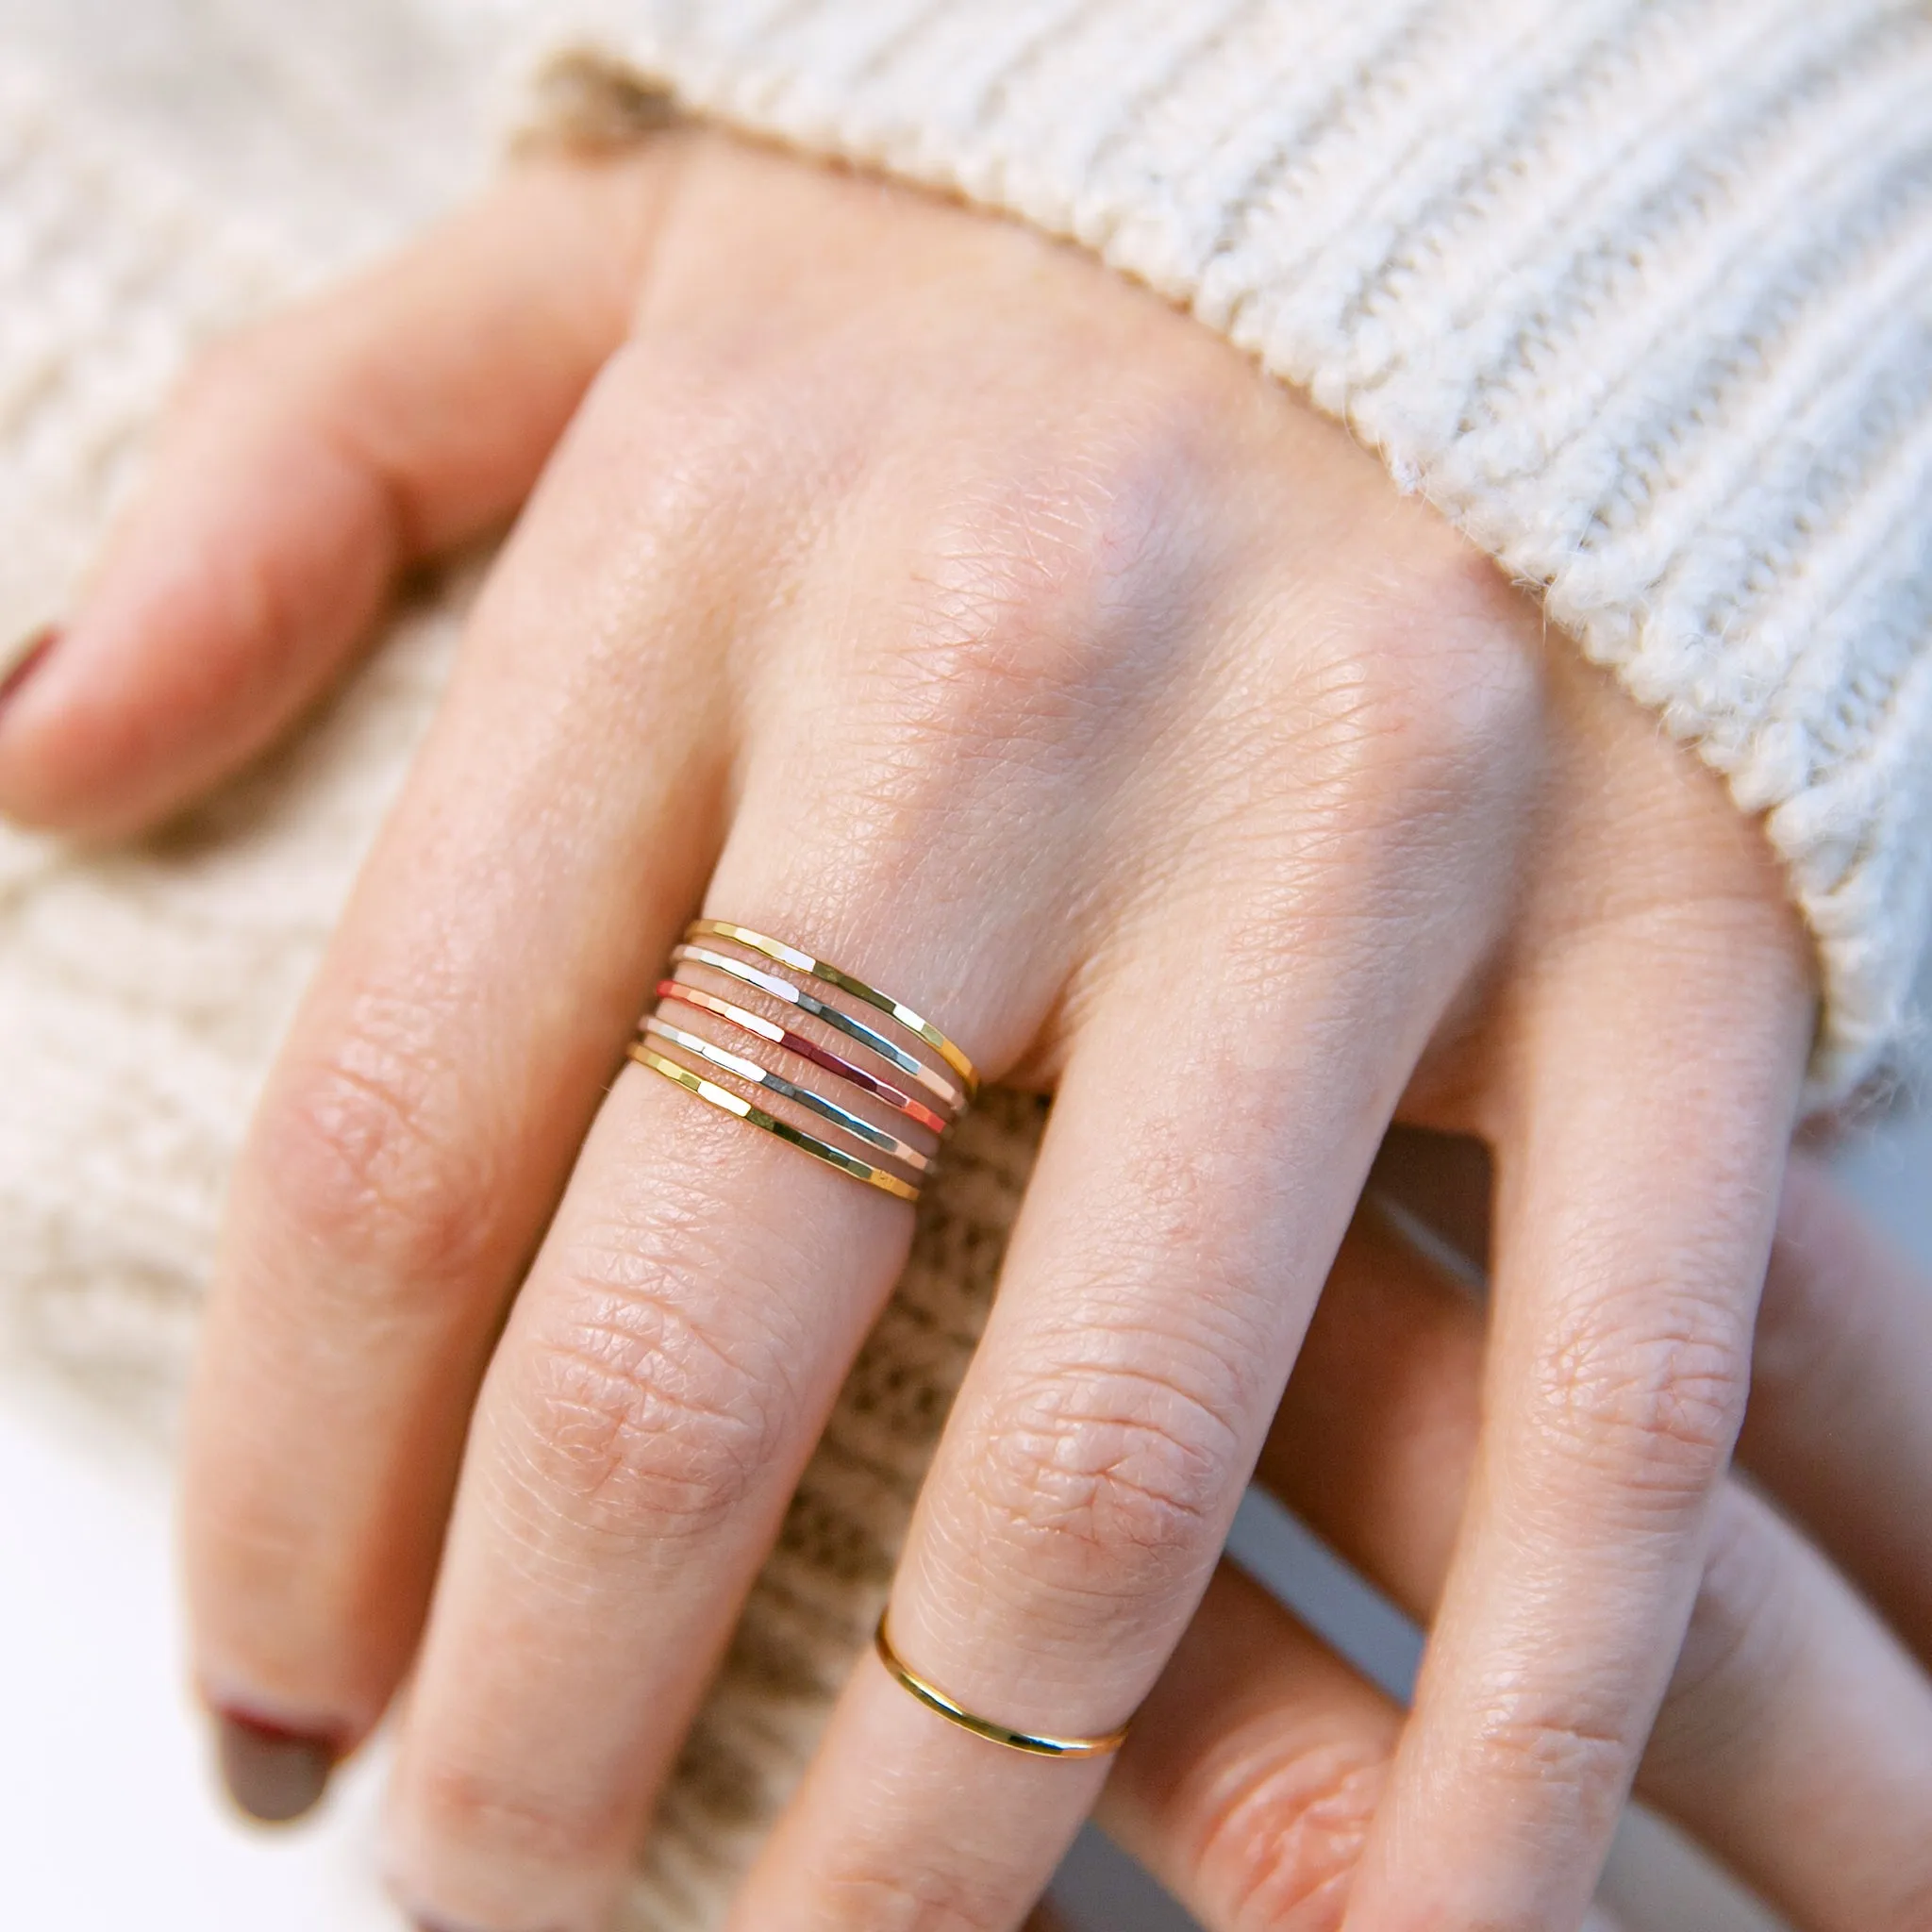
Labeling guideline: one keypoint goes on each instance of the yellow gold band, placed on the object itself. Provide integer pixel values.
(728, 1102)
(880, 1097)
(757, 1076)
(843, 1023)
(823, 969)
(1038, 1744)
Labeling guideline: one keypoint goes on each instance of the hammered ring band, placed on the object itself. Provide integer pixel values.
(808, 1052)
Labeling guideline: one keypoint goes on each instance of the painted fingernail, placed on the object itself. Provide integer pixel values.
(29, 658)
(273, 1775)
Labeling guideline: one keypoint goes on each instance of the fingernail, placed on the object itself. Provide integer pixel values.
(273, 1775)
(32, 654)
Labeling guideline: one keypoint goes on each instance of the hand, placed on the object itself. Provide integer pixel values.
(906, 586)
(1795, 1740)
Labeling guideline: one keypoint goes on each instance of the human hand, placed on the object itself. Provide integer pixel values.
(952, 608)
(1795, 1740)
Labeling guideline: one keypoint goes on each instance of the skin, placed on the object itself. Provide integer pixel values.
(1795, 1739)
(898, 582)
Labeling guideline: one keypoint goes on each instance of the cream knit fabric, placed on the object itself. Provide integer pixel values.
(1640, 295)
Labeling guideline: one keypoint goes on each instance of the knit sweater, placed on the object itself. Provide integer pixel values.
(1637, 291)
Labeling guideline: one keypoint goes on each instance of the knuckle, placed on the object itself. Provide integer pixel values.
(644, 1405)
(1566, 1754)
(454, 1808)
(1041, 588)
(1005, 626)
(1421, 697)
(363, 1157)
(1648, 1389)
(1108, 1481)
(1279, 1849)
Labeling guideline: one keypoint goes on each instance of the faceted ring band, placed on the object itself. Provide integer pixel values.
(812, 1064)
(1037, 1743)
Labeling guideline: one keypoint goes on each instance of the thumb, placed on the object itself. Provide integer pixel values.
(302, 467)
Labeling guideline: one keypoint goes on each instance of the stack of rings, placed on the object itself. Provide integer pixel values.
(871, 1098)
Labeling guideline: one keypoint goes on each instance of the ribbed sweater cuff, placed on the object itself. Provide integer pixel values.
(1638, 295)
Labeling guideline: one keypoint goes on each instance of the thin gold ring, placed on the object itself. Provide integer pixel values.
(842, 1023)
(728, 1102)
(953, 1055)
(762, 1077)
(756, 1024)
(1035, 1742)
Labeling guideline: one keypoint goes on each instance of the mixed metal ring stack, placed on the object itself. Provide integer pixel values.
(795, 1045)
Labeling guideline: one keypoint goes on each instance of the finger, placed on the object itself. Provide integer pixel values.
(1174, 1232)
(1839, 1424)
(1255, 1769)
(1795, 1739)
(303, 467)
(673, 1355)
(1657, 1066)
(415, 1134)
(668, 1364)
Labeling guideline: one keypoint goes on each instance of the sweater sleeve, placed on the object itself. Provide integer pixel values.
(1638, 293)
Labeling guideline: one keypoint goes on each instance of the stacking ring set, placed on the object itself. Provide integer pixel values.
(813, 1056)
(865, 1082)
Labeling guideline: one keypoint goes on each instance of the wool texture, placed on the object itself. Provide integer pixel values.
(1637, 293)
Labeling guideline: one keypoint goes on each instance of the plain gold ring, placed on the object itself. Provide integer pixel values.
(1036, 1743)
